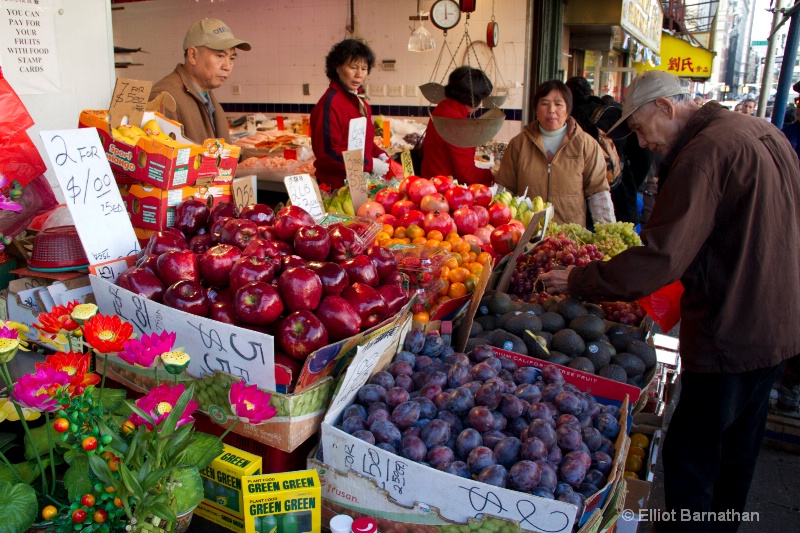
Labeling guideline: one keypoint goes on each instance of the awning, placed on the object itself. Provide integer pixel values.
(681, 58)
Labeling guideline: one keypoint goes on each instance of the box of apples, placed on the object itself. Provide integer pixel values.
(247, 290)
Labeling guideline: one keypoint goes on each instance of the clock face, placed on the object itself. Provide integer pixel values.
(445, 14)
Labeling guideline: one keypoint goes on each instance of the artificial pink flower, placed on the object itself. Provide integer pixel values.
(143, 352)
(160, 403)
(250, 404)
(37, 391)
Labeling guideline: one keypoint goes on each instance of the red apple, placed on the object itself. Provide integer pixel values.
(175, 231)
(200, 243)
(433, 202)
(190, 216)
(187, 296)
(287, 369)
(403, 188)
(389, 219)
(333, 277)
(263, 249)
(387, 197)
(300, 334)
(164, 241)
(284, 248)
(499, 213)
(289, 219)
(481, 194)
(215, 228)
(384, 261)
(261, 214)
(223, 312)
(367, 302)
(436, 220)
(419, 188)
(442, 183)
(466, 221)
(505, 238)
(339, 318)
(148, 262)
(472, 239)
(251, 268)
(395, 296)
(176, 266)
(216, 264)
(268, 233)
(361, 269)
(238, 232)
(143, 282)
(412, 217)
(292, 261)
(402, 207)
(257, 303)
(459, 197)
(300, 288)
(312, 243)
(345, 244)
(216, 295)
(371, 210)
(222, 210)
(518, 224)
(482, 214)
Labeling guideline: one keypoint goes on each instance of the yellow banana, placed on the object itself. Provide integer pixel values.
(347, 204)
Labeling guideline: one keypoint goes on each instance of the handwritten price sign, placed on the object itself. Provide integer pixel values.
(129, 99)
(354, 168)
(304, 192)
(357, 134)
(244, 191)
(92, 195)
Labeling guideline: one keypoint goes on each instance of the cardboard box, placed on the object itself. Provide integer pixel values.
(290, 502)
(249, 355)
(501, 276)
(152, 208)
(635, 506)
(398, 483)
(223, 503)
(167, 165)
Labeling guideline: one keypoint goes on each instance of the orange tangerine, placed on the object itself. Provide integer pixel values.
(452, 263)
(462, 248)
(414, 231)
(418, 240)
(444, 290)
(458, 274)
(422, 316)
(388, 229)
(446, 246)
(472, 257)
(400, 232)
(445, 272)
(457, 290)
(382, 235)
(471, 282)
(436, 235)
(475, 268)
(453, 237)
(484, 258)
(432, 242)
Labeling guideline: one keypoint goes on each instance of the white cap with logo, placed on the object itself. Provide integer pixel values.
(214, 34)
(646, 87)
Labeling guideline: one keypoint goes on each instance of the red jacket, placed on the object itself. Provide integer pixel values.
(440, 158)
(330, 123)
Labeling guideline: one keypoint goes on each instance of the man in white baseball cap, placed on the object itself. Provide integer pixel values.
(209, 51)
(726, 182)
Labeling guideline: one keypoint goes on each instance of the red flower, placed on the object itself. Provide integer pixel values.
(76, 365)
(160, 402)
(58, 319)
(107, 334)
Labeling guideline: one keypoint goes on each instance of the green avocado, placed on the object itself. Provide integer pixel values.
(500, 303)
(552, 322)
(570, 308)
(589, 327)
(509, 342)
(568, 342)
(522, 322)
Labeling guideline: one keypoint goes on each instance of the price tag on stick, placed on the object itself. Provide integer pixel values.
(244, 191)
(304, 192)
(357, 134)
(91, 193)
(408, 165)
(354, 167)
(129, 99)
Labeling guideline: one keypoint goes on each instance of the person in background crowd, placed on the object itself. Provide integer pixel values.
(465, 89)
(607, 99)
(699, 100)
(737, 108)
(712, 195)
(555, 159)
(792, 128)
(634, 160)
(209, 51)
(748, 106)
(347, 65)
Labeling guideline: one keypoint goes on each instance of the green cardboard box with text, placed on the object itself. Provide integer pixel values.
(290, 502)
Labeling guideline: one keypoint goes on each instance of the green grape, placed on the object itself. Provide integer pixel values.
(576, 232)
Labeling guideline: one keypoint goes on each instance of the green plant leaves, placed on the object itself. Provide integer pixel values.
(188, 491)
(27, 470)
(18, 502)
(76, 478)
(203, 450)
(109, 399)
(130, 481)
(163, 511)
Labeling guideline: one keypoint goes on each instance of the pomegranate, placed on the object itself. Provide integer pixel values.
(371, 210)
(481, 193)
(433, 202)
(458, 197)
(499, 214)
(387, 197)
(442, 183)
(437, 220)
(466, 220)
(419, 188)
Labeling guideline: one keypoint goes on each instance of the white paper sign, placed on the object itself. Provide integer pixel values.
(304, 192)
(357, 135)
(91, 193)
(28, 46)
(211, 345)
(354, 168)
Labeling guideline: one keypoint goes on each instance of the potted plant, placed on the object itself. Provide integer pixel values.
(127, 466)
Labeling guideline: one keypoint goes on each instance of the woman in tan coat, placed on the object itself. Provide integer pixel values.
(555, 159)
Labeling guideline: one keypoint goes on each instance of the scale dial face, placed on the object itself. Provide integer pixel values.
(445, 14)
(492, 35)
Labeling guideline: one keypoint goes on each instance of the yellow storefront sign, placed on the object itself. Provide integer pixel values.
(681, 58)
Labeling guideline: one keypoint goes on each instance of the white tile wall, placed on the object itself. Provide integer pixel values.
(290, 39)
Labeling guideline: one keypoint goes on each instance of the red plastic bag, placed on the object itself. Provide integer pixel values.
(37, 198)
(13, 115)
(19, 158)
(395, 170)
(664, 305)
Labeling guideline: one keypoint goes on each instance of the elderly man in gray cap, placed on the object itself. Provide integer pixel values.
(209, 51)
(726, 223)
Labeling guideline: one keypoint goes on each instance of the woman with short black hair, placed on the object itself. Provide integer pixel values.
(347, 65)
(465, 89)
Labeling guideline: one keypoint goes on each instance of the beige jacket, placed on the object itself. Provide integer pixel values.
(576, 172)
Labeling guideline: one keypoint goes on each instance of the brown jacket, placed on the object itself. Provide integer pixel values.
(576, 172)
(191, 112)
(726, 222)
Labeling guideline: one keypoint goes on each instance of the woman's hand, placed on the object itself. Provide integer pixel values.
(555, 281)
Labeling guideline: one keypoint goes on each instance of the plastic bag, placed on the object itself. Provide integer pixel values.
(14, 118)
(37, 198)
(19, 158)
(395, 170)
(664, 305)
